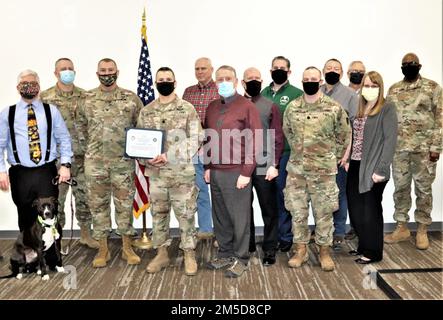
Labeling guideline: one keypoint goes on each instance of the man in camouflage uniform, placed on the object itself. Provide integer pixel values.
(102, 119)
(66, 96)
(419, 108)
(172, 174)
(318, 132)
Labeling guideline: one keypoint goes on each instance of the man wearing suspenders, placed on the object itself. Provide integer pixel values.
(31, 132)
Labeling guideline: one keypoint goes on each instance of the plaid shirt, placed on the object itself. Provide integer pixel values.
(200, 96)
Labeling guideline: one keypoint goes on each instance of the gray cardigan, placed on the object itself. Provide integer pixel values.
(379, 142)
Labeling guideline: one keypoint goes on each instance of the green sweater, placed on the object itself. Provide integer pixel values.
(281, 98)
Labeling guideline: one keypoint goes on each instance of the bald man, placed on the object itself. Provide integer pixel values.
(263, 177)
(200, 95)
(419, 108)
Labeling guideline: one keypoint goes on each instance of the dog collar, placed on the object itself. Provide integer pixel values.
(43, 223)
(53, 228)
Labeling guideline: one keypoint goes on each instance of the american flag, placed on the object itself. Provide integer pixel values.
(145, 91)
(145, 86)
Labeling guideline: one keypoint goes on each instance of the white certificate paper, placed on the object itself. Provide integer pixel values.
(143, 143)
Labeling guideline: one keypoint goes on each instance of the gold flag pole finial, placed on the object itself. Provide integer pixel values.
(144, 25)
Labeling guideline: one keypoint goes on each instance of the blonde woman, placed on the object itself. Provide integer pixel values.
(374, 138)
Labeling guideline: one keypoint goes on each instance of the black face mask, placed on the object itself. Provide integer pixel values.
(410, 71)
(279, 76)
(165, 88)
(311, 88)
(356, 77)
(253, 88)
(332, 77)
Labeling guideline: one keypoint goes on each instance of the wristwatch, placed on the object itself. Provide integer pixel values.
(67, 165)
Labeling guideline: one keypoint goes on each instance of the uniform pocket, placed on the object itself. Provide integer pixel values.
(191, 202)
(432, 167)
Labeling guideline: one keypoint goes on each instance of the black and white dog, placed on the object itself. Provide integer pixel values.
(39, 246)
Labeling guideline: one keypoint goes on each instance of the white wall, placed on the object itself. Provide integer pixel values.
(240, 33)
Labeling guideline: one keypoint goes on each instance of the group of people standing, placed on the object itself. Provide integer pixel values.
(328, 146)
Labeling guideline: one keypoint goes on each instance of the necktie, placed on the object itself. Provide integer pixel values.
(35, 151)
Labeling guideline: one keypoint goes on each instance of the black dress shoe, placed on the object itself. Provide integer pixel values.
(269, 258)
(361, 261)
(354, 253)
(284, 246)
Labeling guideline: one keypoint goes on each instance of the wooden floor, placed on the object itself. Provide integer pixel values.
(119, 281)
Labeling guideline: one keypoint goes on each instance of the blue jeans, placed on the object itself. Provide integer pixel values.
(284, 216)
(341, 214)
(204, 212)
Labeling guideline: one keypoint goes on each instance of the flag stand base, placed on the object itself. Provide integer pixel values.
(143, 242)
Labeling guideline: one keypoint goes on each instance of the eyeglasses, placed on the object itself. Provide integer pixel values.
(70, 182)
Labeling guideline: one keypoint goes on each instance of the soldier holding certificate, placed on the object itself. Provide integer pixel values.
(171, 173)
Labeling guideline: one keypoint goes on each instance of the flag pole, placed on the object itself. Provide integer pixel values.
(143, 242)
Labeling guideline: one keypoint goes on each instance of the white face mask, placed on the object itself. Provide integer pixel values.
(370, 94)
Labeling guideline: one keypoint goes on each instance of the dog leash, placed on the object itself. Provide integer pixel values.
(68, 248)
(72, 183)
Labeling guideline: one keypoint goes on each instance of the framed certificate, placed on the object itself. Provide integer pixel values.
(143, 143)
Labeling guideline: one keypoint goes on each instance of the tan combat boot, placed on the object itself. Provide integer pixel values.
(86, 239)
(190, 263)
(103, 255)
(401, 233)
(128, 253)
(160, 261)
(300, 256)
(421, 240)
(325, 259)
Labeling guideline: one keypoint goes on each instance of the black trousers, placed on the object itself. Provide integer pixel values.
(28, 184)
(231, 215)
(366, 214)
(266, 191)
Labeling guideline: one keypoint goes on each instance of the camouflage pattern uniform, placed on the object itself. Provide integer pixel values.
(67, 103)
(318, 134)
(419, 109)
(101, 121)
(173, 185)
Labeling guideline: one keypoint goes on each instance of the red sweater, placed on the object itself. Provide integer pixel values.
(230, 145)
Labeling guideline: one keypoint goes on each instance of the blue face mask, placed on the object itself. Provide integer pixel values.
(67, 76)
(226, 89)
